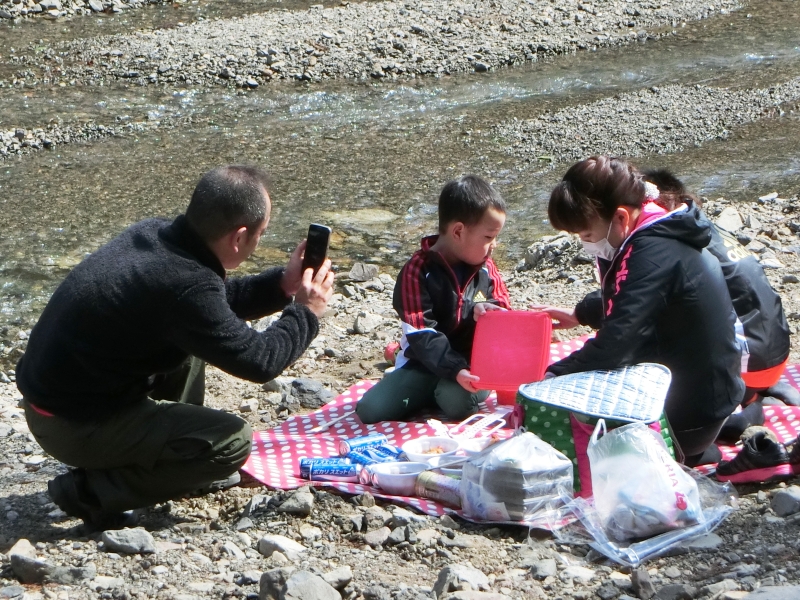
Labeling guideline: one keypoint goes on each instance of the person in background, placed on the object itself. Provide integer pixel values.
(113, 376)
(662, 299)
(761, 324)
(439, 293)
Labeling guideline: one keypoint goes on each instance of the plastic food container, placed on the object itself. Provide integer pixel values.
(510, 348)
(397, 478)
(424, 448)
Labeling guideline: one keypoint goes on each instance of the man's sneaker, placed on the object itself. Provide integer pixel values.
(68, 492)
(218, 485)
(761, 458)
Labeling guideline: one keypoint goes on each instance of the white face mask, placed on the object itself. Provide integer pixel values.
(602, 249)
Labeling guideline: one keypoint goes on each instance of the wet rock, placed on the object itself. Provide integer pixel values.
(363, 272)
(339, 578)
(279, 543)
(272, 582)
(299, 503)
(310, 393)
(459, 577)
(129, 541)
(786, 502)
(303, 585)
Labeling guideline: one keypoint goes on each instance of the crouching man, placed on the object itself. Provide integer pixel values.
(113, 375)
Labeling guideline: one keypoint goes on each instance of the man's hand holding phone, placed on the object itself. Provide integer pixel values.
(316, 288)
(310, 268)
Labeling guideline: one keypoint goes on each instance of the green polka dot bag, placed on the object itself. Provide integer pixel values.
(563, 411)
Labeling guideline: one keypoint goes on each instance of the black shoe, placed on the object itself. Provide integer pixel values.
(735, 424)
(220, 484)
(783, 392)
(68, 492)
(761, 458)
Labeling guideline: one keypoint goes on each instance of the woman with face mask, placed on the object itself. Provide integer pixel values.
(663, 297)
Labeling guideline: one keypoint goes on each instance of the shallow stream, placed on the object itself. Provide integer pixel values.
(368, 159)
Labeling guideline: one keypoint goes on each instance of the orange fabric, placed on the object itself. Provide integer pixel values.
(765, 378)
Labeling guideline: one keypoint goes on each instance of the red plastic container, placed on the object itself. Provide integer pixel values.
(510, 348)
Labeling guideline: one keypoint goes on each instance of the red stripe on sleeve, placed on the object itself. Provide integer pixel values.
(412, 302)
(499, 290)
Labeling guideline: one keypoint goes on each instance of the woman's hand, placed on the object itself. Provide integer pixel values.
(563, 318)
(481, 308)
(466, 380)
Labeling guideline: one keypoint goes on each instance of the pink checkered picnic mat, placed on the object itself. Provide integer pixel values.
(274, 459)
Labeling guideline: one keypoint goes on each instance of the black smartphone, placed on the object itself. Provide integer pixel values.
(317, 246)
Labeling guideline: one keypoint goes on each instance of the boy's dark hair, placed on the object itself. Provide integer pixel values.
(227, 198)
(466, 199)
(594, 187)
(672, 192)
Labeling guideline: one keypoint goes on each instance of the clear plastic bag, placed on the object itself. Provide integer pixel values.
(639, 489)
(578, 521)
(514, 480)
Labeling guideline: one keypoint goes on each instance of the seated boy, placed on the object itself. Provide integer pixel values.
(436, 295)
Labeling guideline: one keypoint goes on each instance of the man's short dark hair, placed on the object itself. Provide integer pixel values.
(466, 200)
(227, 198)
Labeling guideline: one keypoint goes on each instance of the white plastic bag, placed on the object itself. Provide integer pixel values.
(639, 489)
(514, 480)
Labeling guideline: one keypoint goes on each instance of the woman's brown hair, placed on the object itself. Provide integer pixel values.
(594, 187)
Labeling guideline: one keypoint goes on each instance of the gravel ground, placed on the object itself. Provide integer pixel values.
(204, 548)
(354, 41)
(658, 120)
(55, 9)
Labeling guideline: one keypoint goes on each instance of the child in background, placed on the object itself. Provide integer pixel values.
(761, 324)
(439, 294)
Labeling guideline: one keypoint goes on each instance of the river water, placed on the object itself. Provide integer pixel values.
(366, 159)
